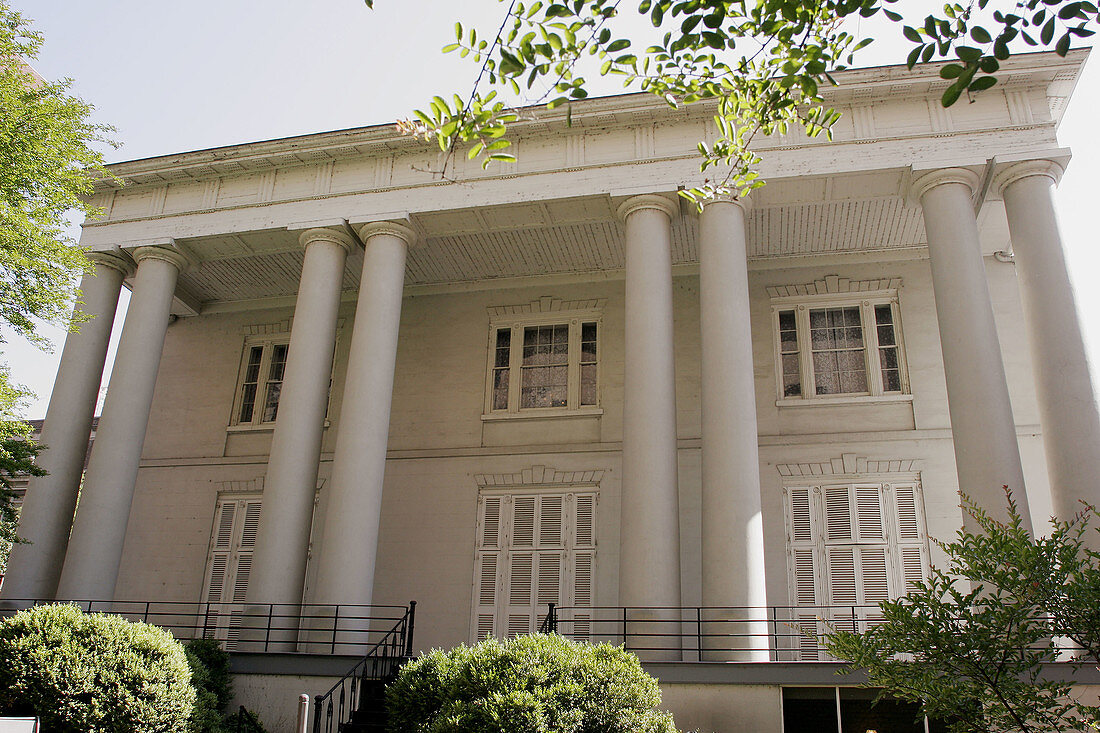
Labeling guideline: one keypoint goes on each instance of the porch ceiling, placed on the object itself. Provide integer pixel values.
(790, 218)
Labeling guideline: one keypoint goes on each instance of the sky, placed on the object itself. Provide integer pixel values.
(178, 76)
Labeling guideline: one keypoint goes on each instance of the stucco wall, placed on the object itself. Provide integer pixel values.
(439, 443)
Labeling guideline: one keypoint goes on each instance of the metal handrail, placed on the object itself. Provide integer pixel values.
(719, 633)
(380, 663)
(260, 627)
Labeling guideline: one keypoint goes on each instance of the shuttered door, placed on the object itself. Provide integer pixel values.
(229, 566)
(533, 550)
(851, 546)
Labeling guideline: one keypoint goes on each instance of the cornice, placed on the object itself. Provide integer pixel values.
(853, 84)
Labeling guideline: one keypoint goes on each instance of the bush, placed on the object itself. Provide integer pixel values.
(530, 684)
(213, 687)
(93, 672)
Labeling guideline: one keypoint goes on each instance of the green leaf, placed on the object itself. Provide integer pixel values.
(951, 71)
(914, 56)
(912, 34)
(951, 94)
(1063, 45)
(1047, 34)
(618, 45)
(980, 35)
(969, 54)
(982, 83)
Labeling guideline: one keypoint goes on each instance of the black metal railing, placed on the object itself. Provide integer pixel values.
(710, 633)
(254, 627)
(380, 664)
(245, 721)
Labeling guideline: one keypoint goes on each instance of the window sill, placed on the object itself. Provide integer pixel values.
(843, 400)
(264, 428)
(546, 414)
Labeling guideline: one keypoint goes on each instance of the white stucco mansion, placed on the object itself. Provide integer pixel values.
(343, 380)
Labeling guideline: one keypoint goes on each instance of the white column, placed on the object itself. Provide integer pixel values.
(282, 540)
(732, 529)
(649, 548)
(99, 529)
(1067, 401)
(987, 456)
(47, 513)
(346, 564)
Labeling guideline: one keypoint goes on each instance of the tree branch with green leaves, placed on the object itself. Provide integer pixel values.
(973, 644)
(763, 62)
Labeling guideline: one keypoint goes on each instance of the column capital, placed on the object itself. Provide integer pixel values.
(1013, 172)
(398, 229)
(647, 201)
(742, 201)
(162, 252)
(324, 234)
(926, 181)
(112, 260)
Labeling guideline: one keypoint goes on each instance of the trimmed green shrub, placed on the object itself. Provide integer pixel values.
(529, 684)
(213, 687)
(93, 672)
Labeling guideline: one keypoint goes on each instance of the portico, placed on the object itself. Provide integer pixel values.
(345, 296)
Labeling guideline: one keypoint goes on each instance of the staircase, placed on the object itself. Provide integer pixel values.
(357, 703)
(370, 716)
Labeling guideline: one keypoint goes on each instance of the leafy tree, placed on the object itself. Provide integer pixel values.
(973, 643)
(765, 62)
(47, 167)
(529, 684)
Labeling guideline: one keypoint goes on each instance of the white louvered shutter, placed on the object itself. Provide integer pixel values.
(229, 566)
(803, 564)
(584, 565)
(486, 580)
(533, 550)
(911, 540)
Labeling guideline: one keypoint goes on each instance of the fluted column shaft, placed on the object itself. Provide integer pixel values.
(47, 513)
(282, 540)
(99, 529)
(732, 528)
(649, 565)
(346, 565)
(987, 455)
(1063, 385)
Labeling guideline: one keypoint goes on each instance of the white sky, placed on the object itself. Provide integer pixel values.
(177, 76)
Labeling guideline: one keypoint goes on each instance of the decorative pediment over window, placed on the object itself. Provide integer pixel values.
(538, 476)
(261, 329)
(850, 464)
(252, 486)
(546, 304)
(834, 285)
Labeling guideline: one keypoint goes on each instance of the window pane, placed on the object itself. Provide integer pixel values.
(786, 320)
(250, 384)
(248, 402)
(838, 348)
(271, 403)
(274, 381)
(588, 332)
(500, 389)
(588, 384)
(792, 386)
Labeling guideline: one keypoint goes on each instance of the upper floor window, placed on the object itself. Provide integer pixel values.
(544, 363)
(836, 346)
(261, 381)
